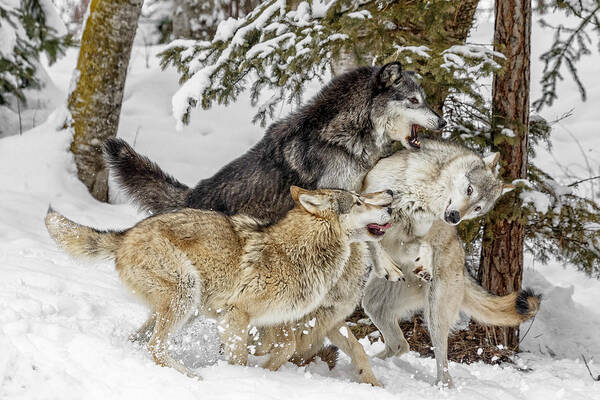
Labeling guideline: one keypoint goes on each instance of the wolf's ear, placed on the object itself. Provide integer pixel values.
(389, 74)
(491, 160)
(507, 187)
(296, 191)
(313, 203)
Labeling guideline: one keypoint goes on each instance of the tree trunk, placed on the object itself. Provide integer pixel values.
(95, 103)
(199, 19)
(196, 19)
(501, 265)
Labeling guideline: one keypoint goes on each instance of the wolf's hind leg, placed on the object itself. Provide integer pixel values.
(176, 303)
(395, 342)
(385, 302)
(166, 279)
(233, 329)
(175, 312)
(441, 311)
(341, 336)
(282, 348)
(145, 331)
(158, 344)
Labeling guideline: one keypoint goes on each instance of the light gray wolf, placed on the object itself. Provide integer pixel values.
(434, 190)
(236, 269)
(330, 142)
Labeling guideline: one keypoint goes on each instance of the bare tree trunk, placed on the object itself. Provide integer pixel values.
(501, 265)
(199, 19)
(196, 19)
(95, 103)
(181, 19)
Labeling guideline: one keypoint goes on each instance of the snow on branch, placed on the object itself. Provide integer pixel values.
(273, 44)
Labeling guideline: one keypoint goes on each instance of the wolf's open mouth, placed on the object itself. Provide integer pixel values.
(378, 230)
(413, 139)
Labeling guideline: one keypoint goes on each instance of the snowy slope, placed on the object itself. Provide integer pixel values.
(64, 324)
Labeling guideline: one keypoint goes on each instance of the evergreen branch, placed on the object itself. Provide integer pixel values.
(561, 51)
(597, 378)
(583, 180)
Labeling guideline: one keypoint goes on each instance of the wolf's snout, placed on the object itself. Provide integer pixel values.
(442, 123)
(389, 210)
(452, 217)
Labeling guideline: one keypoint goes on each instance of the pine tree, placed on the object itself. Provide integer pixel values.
(95, 103)
(26, 33)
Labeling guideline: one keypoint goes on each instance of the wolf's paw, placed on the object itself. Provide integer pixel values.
(370, 380)
(394, 275)
(138, 337)
(445, 381)
(422, 273)
(386, 353)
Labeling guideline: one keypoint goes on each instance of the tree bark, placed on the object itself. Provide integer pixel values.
(501, 264)
(95, 103)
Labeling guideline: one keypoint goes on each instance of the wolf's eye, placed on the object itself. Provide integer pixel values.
(477, 209)
(414, 100)
(469, 190)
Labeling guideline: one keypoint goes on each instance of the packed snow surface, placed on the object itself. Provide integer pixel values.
(64, 324)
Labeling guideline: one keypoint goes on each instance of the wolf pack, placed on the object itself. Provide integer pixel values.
(282, 244)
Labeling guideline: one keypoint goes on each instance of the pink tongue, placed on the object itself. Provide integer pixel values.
(382, 227)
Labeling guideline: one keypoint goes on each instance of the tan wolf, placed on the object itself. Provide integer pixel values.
(236, 269)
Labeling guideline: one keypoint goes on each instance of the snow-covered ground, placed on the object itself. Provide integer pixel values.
(64, 324)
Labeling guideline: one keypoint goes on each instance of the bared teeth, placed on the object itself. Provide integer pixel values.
(413, 139)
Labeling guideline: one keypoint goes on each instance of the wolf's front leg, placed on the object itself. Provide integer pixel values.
(233, 329)
(282, 347)
(383, 265)
(341, 336)
(424, 262)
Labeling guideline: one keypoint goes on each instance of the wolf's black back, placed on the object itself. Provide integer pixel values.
(294, 151)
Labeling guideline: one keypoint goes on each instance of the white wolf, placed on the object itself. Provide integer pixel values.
(434, 189)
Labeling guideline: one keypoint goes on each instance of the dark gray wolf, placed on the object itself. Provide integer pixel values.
(233, 269)
(331, 142)
(434, 190)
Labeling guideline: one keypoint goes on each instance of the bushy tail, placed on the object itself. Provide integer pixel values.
(142, 180)
(329, 354)
(81, 241)
(509, 310)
